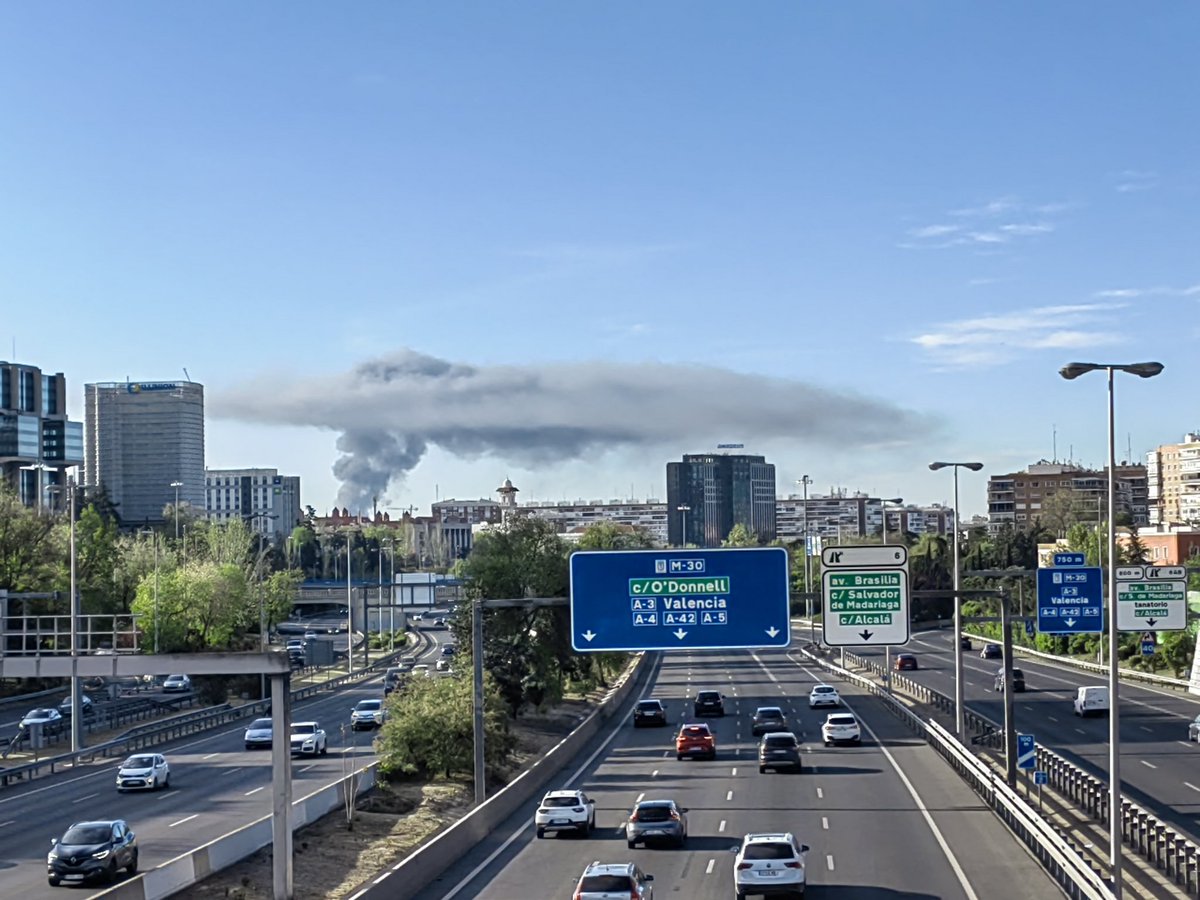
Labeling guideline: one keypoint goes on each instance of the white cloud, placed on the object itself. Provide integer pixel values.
(1131, 180)
(992, 208)
(1159, 291)
(997, 222)
(995, 339)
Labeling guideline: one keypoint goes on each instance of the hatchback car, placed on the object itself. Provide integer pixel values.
(258, 734)
(709, 703)
(144, 771)
(565, 811)
(49, 718)
(177, 684)
(649, 712)
(696, 739)
(308, 739)
(906, 661)
(442, 665)
(92, 850)
(1194, 730)
(1018, 681)
(767, 719)
(771, 865)
(657, 820)
(780, 750)
(449, 650)
(840, 728)
(965, 643)
(610, 881)
(823, 695)
(991, 651)
(367, 714)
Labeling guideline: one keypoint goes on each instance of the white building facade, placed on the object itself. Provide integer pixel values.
(268, 502)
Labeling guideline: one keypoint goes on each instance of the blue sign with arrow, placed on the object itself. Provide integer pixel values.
(680, 599)
(1026, 753)
(1070, 600)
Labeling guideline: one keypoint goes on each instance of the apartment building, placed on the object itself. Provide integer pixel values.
(1021, 499)
(1173, 475)
(267, 501)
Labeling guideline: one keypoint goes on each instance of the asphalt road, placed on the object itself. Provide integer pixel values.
(885, 821)
(217, 786)
(1160, 770)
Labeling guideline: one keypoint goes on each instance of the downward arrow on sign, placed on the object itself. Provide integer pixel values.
(1070, 623)
(588, 635)
(1151, 622)
(865, 635)
(681, 634)
(772, 631)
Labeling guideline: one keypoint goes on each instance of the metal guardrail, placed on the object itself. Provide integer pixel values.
(30, 700)
(179, 726)
(1069, 869)
(1126, 673)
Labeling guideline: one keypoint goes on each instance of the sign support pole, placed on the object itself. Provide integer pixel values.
(1010, 730)
(477, 665)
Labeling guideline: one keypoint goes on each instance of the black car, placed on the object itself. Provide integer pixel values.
(767, 719)
(92, 850)
(86, 707)
(965, 643)
(779, 750)
(1018, 681)
(709, 703)
(649, 712)
(448, 650)
(991, 651)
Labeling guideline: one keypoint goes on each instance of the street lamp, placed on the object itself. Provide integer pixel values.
(76, 694)
(887, 650)
(804, 482)
(391, 545)
(263, 515)
(958, 657)
(683, 510)
(38, 467)
(145, 532)
(177, 485)
(1070, 372)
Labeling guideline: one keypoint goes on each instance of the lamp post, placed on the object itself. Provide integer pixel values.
(1142, 370)
(349, 611)
(391, 592)
(683, 510)
(177, 485)
(804, 482)
(38, 467)
(883, 536)
(958, 657)
(76, 694)
(151, 532)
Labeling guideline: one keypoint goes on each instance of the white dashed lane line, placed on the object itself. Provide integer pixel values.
(81, 799)
(255, 791)
(829, 861)
(720, 827)
(824, 823)
(729, 795)
(1148, 764)
(1188, 784)
(820, 794)
(708, 870)
(733, 771)
(186, 819)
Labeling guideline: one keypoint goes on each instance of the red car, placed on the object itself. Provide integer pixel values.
(906, 661)
(696, 740)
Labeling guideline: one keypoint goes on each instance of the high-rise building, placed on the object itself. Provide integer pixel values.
(1173, 475)
(709, 493)
(38, 443)
(267, 501)
(145, 445)
(1022, 499)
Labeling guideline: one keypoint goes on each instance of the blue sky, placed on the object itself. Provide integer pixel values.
(925, 207)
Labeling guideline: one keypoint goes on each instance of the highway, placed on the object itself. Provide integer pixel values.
(1160, 770)
(216, 787)
(885, 821)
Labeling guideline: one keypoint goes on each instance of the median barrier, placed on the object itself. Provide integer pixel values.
(1126, 674)
(413, 873)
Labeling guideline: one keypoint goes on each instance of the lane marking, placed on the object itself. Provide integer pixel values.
(181, 821)
(1080, 731)
(208, 756)
(1052, 718)
(86, 797)
(1144, 728)
(231, 771)
(733, 772)
(708, 870)
(654, 774)
(1188, 784)
(1148, 764)
(824, 823)
(255, 791)
(720, 827)
(729, 795)
(829, 861)
(820, 794)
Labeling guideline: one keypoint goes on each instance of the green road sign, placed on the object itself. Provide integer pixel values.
(866, 596)
(1151, 597)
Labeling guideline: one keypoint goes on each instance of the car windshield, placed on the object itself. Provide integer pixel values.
(1017, 673)
(40, 714)
(369, 705)
(87, 834)
(304, 728)
(653, 813)
(649, 705)
(775, 741)
(708, 695)
(841, 720)
(138, 762)
(765, 850)
(770, 712)
(259, 725)
(603, 884)
(561, 801)
(176, 677)
(822, 689)
(696, 730)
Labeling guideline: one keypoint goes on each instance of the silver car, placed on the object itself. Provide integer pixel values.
(144, 771)
(657, 820)
(259, 734)
(1194, 730)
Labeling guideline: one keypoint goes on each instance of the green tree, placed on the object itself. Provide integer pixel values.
(1176, 650)
(31, 551)
(202, 605)
(740, 536)
(429, 730)
(611, 536)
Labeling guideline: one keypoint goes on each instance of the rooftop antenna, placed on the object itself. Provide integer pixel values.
(186, 376)
(1129, 447)
(1054, 441)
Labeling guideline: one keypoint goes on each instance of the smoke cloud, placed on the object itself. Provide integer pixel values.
(389, 411)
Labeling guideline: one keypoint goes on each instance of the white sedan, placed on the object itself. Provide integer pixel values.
(823, 695)
(565, 811)
(308, 739)
(144, 771)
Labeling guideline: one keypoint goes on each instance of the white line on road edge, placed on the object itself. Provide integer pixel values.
(912, 792)
(708, 870)
(181, 821)
(470, 876)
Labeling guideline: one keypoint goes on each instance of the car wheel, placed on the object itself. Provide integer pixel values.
(762, 770)
(110, 874)
(167, 781)
(324, 749)
(133, 861)
(541, 832)
(154, 783)
(827, 743)
(679, 756)
(54, 882)
(741, 895)
(631, 844)
(858, 741)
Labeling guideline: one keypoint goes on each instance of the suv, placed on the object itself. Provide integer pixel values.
(367, 714)
(779, 750)
(391, 680)
(709, 703)
(906, 661)
(770, 864)
(840, 728)
(565, 811)
(696, 740)
(1018, 681)
(92, 850)
(657, 820)
(600, 881)
(768, 718)
(649, 712)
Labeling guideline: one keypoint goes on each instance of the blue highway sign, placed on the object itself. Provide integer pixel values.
(1026, 755)
(680, 599)
(1070, 600)
(1040, 777)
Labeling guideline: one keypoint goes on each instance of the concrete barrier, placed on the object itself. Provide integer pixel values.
(417, 870)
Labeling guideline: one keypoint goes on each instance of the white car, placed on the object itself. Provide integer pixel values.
(823, 695)
(770, 864)
(308, 739)
(144, 771)
(259, 734)
(49, 718)
(177, 684)
(421, 670)
(310, 636)
(565, 811)
(367, 714)
(840, 728)
(442, 665)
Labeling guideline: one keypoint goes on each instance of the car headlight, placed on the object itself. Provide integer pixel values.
(52, 856)
(100, 855)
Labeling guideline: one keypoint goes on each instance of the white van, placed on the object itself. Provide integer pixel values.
(1091, 700)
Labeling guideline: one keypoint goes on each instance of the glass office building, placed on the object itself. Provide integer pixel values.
(38, 443)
